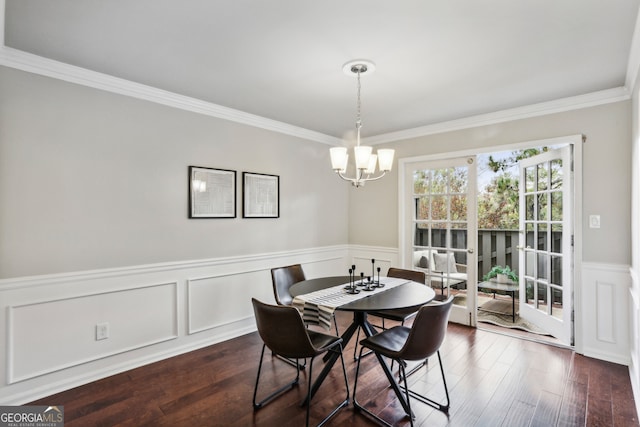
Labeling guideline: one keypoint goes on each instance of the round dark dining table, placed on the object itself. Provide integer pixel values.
(409, 294)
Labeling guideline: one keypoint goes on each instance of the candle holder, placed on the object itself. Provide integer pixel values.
(351, 287)
(378, 282)
(368, 284)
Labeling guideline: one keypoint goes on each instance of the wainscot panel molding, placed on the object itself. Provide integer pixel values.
(605, 316)
(361, 257)
(52, 326)
(153, 312)
(634, 320)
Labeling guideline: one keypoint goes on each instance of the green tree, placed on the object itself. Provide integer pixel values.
(498, 202)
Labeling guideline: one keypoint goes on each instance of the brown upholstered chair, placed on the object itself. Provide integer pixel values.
(400, 314)
(284, 333)
(403, 344)
(285, 277)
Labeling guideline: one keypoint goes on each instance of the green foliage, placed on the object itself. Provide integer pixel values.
(498, 269)
(498, 204)
(440, 192)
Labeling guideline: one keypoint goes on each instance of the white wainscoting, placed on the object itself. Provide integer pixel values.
(61, 329)
(361, 257)
(634, 317)
(163, 310)
(605, 318)
(48, 329)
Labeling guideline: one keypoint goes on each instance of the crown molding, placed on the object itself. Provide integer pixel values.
(24, 61)
(633, 63)
(533, 110)
(28, 62)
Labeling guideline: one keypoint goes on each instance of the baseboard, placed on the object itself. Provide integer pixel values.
(79, 380)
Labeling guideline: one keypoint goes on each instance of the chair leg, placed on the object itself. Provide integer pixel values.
(355, 347)
(403, 374)
(288, 386)
(292, 362)
(439, 406)
(356, 404)
(344, 403)
(413, 370)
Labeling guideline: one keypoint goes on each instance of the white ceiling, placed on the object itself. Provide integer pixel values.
(437, 60)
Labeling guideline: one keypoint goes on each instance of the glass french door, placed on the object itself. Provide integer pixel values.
(546, 251)
(440, 233)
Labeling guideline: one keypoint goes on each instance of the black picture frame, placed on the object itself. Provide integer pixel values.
(260, 195)
(212, 192)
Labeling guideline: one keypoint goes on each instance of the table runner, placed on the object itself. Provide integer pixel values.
(317, 307)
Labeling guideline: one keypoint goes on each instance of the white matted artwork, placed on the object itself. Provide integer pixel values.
(212, 193)
(261, 195)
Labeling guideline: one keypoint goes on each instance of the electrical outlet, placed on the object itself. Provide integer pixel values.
(102, 331)
(594, 221)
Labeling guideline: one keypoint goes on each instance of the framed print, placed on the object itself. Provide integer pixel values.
(212, 193)
(261, 195)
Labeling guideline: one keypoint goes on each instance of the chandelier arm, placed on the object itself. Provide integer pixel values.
(346, 178)
(375, 177)
(361, 178)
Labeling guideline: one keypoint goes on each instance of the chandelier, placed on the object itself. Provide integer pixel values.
(365, 160)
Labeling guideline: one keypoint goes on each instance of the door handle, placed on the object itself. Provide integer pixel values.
(470, 251)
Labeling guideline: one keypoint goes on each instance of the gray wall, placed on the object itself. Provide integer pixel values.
(606, 180)
(90, 179)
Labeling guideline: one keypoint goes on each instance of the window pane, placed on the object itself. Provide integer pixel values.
(542, 207)
(530, 178)
(556, 303)
(542, 237)
(458, 180)
(542, 267)
(459, 208)
(542, 297)
(529, 206)
(543, 176)
(439, 207)
(439, 181)
(422, 208)
(439, 235)
(556, 238)
(458, 238)
(556, 270)
(556, 206)
(530, 259)
(556, 174)
(421, 182)
(421, 235)
(529, 287)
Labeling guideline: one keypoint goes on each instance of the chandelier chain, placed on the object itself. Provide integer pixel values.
(358, 117)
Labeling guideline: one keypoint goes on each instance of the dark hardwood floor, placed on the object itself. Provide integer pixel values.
(494, 380)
